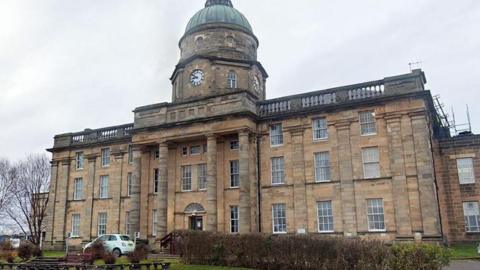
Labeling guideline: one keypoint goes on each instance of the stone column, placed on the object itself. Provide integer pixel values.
(61, 200)
(212, 183)
(51, 206)
(299, 189)
(245, 216)
(89, 194)
(135, 192)
(347, 186)
(162, 195)
(399, 178)
(426, 183)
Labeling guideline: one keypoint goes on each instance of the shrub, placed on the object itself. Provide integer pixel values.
(139, 254)
(305, 252)
(6, 245)
(25, 251)
(96, 250)
(10, 257)
(109, 258)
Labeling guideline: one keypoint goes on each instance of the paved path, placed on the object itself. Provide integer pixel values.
(464, 265)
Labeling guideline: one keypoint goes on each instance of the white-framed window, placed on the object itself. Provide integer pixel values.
(279, 218)
(232, 80)
(278, 170)
(127, 223)
(79, 160)
(322, 167)
(195, 150)
(104, 187)
(78, 189)
(130, 154)
(375, 214)
(156, 154)
(75, 225)
(154, 222)
(102, 224)
(202, 176)
(465, 170)
(105, 157)
(187, 178)
(368, 125)
(234, 145)
(234, 173)
(234, 219)
(320, 129)
(129, 184)
(325, 217)
(471, 213)
(156, 178)
(371, 162)
(276, 135)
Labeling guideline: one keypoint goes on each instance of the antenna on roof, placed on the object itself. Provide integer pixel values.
(465, 128)
(415, 65)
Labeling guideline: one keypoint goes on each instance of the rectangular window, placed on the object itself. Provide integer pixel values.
(279, 218)
(202, 176)
(368, 124)
(155, 180)
(184, 151)
(276, 135)
(130, 154)
(234, 145)
(75, 225)
(102, 224)
(156, 154)
(105, 157)
(127, 223)
(278, 171)
(154, 222)
(375, 214)
(78, 189)
(320, 129)
(234, 219)
(129, 184)
(466, 174)
(79, 160)
(371, 162)
(186, 178)
(471, 213)
(322, 167)
(195, 150)
(325, 217)
(104, 187)
(234, 174)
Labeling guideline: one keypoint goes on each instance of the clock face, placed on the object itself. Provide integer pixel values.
(197, 77)
(256, 83)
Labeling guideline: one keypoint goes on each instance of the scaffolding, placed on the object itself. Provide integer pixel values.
(450, 122)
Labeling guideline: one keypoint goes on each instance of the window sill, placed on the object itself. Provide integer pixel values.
(232, 188)
(276, 146)
(277, 186)
(279, 233)
(80, 200)
(369, 134)
(103, 199)
(326, 232)
(321, 182)
(377, 231)
(320, 140)
(374, 179)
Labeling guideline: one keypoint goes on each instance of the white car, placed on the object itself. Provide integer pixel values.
(118, 244)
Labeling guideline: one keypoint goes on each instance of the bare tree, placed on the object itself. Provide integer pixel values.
(29, 191)
(6, 172)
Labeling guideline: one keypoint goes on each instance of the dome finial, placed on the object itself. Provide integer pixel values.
(219, 2)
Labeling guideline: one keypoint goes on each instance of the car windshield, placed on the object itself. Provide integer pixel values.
(125, 238)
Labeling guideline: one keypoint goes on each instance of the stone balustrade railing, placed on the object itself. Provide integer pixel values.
(322, 98)
(90, 136)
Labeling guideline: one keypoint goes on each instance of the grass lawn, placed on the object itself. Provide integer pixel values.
(54, 254)
(464, 251)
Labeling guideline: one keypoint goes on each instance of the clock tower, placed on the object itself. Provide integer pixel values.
(218, 56)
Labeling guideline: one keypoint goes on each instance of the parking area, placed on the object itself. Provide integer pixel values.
(464, 265)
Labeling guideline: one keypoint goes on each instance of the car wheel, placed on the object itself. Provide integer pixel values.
(117, 253)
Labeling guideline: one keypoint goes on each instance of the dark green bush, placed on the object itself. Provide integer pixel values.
(96, 250)
(305, 252)
(109, 258)
(139, 254)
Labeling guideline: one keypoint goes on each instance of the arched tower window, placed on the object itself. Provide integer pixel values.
(199, 42)
(230, 41)
(232, 80)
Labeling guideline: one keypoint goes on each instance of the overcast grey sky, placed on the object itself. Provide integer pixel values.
(66, 65)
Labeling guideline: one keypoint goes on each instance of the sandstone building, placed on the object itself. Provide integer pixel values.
(356, 160)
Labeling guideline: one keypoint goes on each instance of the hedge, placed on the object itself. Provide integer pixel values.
(305, 252)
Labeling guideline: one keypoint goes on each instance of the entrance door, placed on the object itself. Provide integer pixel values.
(196, 223)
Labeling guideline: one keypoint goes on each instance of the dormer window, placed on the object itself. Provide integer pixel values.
(232, 80)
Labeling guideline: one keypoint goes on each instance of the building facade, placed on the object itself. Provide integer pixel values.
(355, 160)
